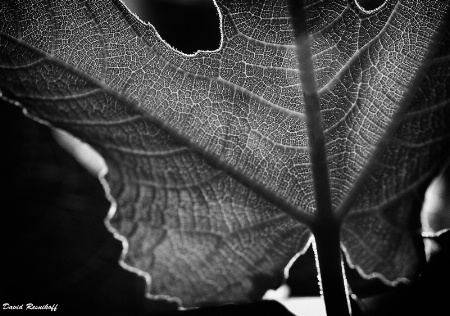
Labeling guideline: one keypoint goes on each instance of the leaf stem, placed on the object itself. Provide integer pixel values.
(325, 227)
(333, 284)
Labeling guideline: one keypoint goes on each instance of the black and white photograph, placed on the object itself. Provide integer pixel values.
(225, 157)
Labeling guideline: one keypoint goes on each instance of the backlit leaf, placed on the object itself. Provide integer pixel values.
(208, 154)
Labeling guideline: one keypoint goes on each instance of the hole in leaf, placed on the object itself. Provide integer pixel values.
(370, 6)
(187, 25)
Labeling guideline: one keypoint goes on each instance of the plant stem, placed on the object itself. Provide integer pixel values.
(332, 281)
(325, 227)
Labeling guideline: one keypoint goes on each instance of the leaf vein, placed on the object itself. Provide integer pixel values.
(332, 82)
